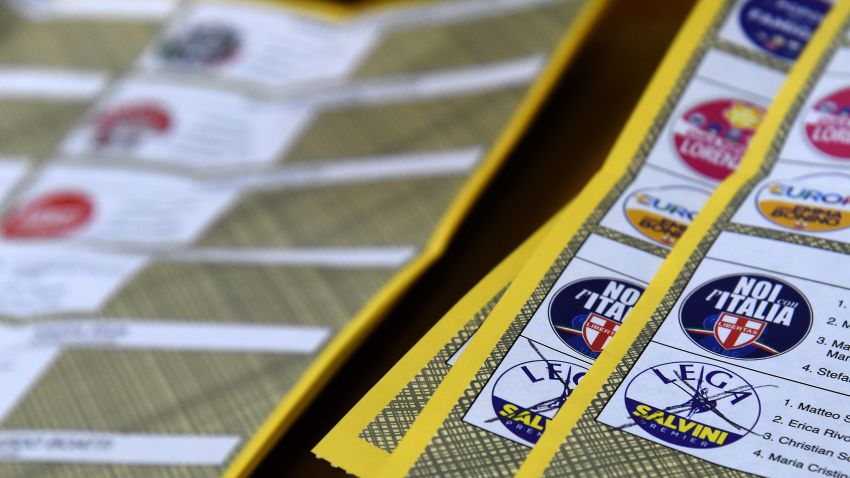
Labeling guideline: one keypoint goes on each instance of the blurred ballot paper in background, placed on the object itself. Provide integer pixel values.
(206, 205)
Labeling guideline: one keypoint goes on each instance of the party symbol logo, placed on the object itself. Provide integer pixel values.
(693, 404)
(663, 214)
(202, 45)
(712, 137)
(125, 127)
(528, 395)
(585, 314)
(746, 316)
(782, 27)
(51, 215)
(827, 125)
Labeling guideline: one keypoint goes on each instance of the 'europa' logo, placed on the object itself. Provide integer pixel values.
(782, 27)
(201, 45)
(746, 316)
(712, 137)
(693, 404)
(527, 396)
(814, 203)
(827, 125)
(663, 214)
(586, 314)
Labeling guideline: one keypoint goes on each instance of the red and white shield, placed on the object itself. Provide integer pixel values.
(734, 332)
(597, 331)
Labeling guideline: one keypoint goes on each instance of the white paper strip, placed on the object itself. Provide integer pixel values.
(344, 171)
(50, 83)
(447, 12)
(407, 88)
(144, 10)
(343, 257)
(69, 446)
(188, 336)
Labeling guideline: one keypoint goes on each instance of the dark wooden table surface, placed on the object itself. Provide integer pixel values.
(565, 146)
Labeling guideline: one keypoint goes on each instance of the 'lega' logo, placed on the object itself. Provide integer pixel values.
(528, 395)
(782, 27)
(663, 214)
(712, 137)
(814, 203)
(746, 316)
(693, 404)
(585, 314)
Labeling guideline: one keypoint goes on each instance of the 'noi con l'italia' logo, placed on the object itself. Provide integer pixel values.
(746, 316)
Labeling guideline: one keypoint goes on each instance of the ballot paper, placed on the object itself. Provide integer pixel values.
(221, 199)
(688, 134)
(734, 362)
(364, 439)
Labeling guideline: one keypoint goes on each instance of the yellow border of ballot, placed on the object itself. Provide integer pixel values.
(559, 428)
(341, 346)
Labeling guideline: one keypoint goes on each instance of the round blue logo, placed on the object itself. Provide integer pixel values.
(586, 314)
(693, 404)
(782, 27)
(746, 316)
(528, 395)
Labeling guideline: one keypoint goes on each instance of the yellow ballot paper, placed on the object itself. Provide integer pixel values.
(735, 360)
(688, 133)
(363, 440)
(207, 204)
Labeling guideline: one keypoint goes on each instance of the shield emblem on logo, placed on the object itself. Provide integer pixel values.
(733, 331)
(597, 331)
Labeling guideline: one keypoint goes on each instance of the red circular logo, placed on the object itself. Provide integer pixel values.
(828, 124)
(712, 137)
(127, 125)
(51, 215)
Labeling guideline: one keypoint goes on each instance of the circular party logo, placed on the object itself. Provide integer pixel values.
(828, 125)
(693, 404)
(663, 214)
(782, 27)
(51, 215)
(202, 45)
(585, 314)
(712, 137)
(814, 203)
(124, 127)
(746, 316)
(528, 395)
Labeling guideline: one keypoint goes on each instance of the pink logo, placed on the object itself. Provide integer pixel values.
(828, 125)
(712, 137)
